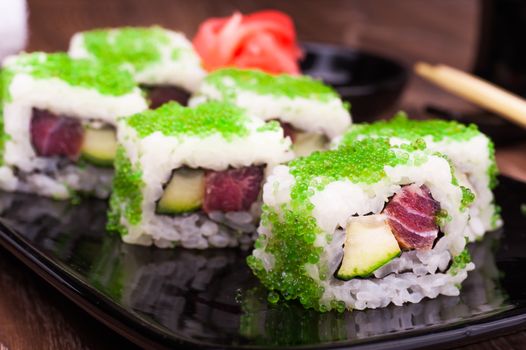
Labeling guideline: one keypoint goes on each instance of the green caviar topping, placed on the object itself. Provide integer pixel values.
(206, 119)
(76, 72)
(292, 247)
(230, 81)
(139, 47)
(492, 169)
(5, 80)
(177, 54)
(442, 217)
(467, 198)
(269, 126)
(402, 127)
(294, 229)
(273, 297)
(495, 218)
(3, 136)
(361, 162)
(460, 261)
(126, 199)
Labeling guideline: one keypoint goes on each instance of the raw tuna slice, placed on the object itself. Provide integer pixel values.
(53, 135)
(411, 215)
(232, 189)
(288, 130)
(160, 95)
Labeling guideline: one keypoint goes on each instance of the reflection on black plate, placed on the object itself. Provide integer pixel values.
(210, 298)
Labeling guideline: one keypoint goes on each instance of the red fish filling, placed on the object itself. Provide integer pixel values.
(162, 94)
(225, 191)
(412, 215)
(289, 131)
(232, 189)
(55, 135)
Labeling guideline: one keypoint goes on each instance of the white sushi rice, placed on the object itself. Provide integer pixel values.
(472, 158)
(158, 155)
(201, 231)
(409, 278)
(329, 118)
(58, 97)
(184, 71)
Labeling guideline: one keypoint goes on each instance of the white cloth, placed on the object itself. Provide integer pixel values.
(13, 26)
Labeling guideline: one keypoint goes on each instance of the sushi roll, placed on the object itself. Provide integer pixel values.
(184, 174)
(471, 152)
(58, 123)
(310, 112)
(363, 226)
(162, 61)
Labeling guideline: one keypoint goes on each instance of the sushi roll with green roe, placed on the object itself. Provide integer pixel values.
(162, 61)
(362, 227)
(471, 152)
(310, 112)
(184, 174)
(58, 123)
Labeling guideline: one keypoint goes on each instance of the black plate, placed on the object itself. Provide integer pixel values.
(180, 297)
(371, 83)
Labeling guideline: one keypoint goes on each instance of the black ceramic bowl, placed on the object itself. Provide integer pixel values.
(372, 84)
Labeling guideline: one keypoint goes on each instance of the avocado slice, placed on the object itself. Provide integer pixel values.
(306, 142)
(369, 244)
(99, 146)
(185, 192)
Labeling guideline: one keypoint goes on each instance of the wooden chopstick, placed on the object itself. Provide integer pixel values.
(476, 90)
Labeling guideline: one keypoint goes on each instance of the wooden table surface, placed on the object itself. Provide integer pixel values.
(35, 316)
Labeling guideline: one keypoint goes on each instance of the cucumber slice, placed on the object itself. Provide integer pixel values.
(369, 244)
(99, 146)
(185, 192)
(305, 143)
